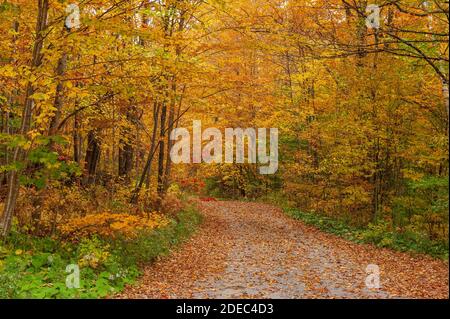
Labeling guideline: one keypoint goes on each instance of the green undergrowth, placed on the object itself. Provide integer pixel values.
(47, 268)
(378, 234)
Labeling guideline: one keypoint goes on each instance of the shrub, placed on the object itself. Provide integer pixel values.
(380, 234)
(150, 244)
(111, 225)
(32, 267)
(92, 253)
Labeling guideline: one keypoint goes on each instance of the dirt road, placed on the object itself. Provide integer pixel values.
(252, 250)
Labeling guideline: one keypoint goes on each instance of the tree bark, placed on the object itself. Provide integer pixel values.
(162, 143)
(126, 146)
(169, 141)
(76, 139)
(446, 101)
(92, 157)
(151, 154)
(58, 103)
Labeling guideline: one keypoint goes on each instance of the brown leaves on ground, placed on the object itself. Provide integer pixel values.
(251, 250)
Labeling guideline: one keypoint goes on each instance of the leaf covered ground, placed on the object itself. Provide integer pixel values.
(253, 250)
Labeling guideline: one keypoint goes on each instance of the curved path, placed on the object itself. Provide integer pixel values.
(252, 250)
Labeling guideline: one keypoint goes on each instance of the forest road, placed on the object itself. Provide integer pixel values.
(253, 250)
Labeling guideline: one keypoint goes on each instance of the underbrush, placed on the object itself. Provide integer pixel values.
(34, 267)
(377, 234)
(380, 234)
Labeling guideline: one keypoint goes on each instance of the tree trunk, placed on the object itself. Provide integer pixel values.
(92, 157)
(126, 146)
(58, 103)
(76, 138)
(152, 146)
(170, 143)
(446, 101)
(148, 164)
(162, 136)
(125, 159)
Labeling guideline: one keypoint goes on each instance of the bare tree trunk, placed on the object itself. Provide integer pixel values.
(125, 159)
(4, 151)
(92, 157)
(162, 136)
(446, 101)
(126, 146)
(152, 147)
(148, 164)
(58, 103)
(169, 141)
(19, 153)
(76, 138)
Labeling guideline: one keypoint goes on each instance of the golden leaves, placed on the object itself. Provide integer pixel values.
(112, 225)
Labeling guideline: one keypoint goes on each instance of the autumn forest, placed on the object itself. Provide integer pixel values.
(93, 205)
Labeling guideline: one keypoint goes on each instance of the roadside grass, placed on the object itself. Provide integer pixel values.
(377, 234)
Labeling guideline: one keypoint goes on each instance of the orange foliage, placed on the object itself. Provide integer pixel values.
(112, 225)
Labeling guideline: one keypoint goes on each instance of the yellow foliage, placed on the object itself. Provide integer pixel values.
(93, 260)
(112, 225)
